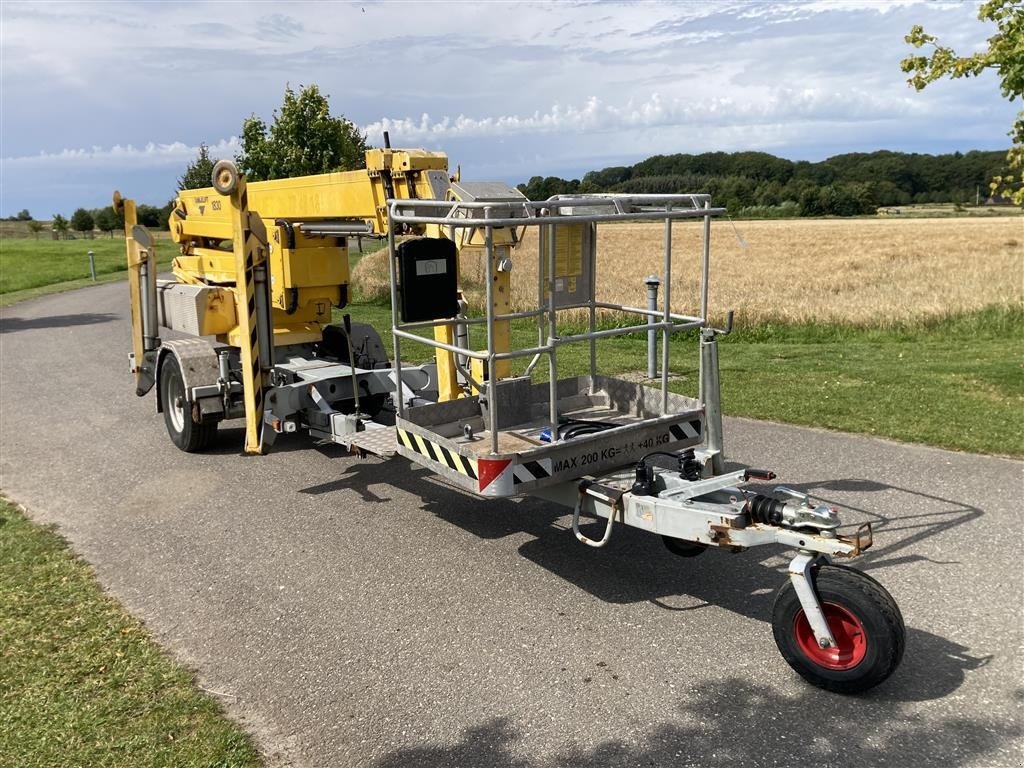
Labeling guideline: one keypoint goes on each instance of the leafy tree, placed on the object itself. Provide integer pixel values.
(60, 224)
(810, 201)
(199, 172)
(607, 177)
(23, 215)
(760, 166)
(734, 192)
(304, 138)
(768, 193)
(107, 220)
(82, 220)
(1005, 55)
(540, 188)
(887, 193)
(35, 227)
(148, 215)
(165, 214)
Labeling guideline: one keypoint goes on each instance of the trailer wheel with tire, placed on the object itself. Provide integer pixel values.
(864, 620)
(681, 548)
(183, 430)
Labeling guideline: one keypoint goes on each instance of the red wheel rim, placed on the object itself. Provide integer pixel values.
(851, 640)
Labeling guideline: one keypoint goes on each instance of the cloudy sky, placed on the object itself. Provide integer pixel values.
(101, 95)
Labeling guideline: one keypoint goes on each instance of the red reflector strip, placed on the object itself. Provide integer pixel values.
(489, 469)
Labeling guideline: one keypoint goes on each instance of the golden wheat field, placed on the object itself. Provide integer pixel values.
(870, 272)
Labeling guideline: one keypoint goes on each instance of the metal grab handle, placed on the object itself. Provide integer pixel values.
(728, 324)
(709, 332)
(607, 531)
(868, 538)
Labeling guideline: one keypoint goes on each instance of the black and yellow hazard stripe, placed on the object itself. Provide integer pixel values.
(438, 453)
(247, 249)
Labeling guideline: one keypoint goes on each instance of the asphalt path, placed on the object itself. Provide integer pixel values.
(361, 613)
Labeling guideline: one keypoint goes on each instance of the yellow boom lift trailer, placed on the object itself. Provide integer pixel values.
(262, 266)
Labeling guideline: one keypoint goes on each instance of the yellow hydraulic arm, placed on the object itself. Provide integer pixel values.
(304, 217)
(308, 274)
(271, 261)
(252, 299)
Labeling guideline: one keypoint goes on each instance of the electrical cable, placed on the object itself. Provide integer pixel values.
(570, 428)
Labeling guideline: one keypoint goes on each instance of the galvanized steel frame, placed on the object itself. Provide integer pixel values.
(552, 212)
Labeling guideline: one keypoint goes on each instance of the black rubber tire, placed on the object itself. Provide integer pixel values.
(184, 432)
(868, 602)
(683, 548)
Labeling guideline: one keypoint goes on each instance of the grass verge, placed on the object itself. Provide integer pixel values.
(32, 268)
(81, 682)
(26, 264)
(956, 382)
(6, 299)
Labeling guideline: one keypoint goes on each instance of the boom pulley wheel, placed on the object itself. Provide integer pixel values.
(225, 177)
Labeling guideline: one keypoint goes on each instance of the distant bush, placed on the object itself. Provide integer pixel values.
(790, 209)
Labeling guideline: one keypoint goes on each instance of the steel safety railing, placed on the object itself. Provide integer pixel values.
(558, 210)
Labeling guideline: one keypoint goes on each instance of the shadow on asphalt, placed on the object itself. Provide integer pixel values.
(941, 514)
(741, 722)
(15, 324)
(231, 440)
(635, 566)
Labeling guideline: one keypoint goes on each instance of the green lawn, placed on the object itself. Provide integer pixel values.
(26, 264)
(81, 682)
(30, 268)
(956, 383)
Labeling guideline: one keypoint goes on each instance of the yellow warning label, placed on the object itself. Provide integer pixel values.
(568, 257)
(568, 250)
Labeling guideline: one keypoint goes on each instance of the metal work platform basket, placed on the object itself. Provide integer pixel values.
(505, 436)
(453, 439)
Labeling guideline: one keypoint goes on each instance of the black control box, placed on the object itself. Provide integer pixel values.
(428, 279)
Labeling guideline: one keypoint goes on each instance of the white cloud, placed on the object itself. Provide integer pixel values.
(152, 155)
(594, 115)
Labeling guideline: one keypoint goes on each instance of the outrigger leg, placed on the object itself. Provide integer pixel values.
(142, 289)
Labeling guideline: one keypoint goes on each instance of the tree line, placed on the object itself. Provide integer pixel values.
(761, 184)
(91, 219)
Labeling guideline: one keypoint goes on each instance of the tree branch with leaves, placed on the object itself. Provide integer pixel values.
(1004, 55)
(199, 172)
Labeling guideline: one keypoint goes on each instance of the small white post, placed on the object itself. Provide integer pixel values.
(652, 282)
